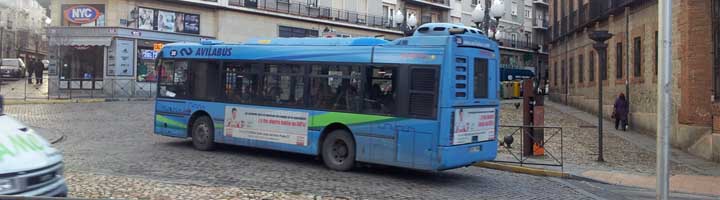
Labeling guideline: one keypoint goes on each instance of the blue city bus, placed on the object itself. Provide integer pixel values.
(427, 102)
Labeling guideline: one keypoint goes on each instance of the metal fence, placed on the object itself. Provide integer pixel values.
(313, 10)
(511, 150)
(19, 88)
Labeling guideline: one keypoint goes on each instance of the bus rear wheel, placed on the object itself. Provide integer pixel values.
(338, 150)
(203, 137)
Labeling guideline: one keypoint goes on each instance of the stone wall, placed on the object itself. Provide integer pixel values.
(692, 110)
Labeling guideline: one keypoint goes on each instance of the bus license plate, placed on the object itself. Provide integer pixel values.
(475, 149)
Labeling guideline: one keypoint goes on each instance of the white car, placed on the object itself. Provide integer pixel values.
(29, 166)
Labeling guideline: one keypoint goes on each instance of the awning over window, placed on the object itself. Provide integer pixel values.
(80, 41)
(511, 74)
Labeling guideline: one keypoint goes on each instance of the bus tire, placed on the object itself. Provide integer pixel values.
(203, 134)
(338, 150)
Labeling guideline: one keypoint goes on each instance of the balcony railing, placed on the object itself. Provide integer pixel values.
(318, 12)
(518, 44)
(540, 23)
(441, 2)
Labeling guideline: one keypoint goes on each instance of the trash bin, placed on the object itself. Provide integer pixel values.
(516, 89)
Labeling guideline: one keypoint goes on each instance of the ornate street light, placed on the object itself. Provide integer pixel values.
(399, 18)
(497, 11)
(478, 15)
(412, 22)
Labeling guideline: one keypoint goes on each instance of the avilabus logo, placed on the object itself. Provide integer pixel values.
(186, 52)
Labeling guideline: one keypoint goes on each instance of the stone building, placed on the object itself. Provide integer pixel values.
(106, 47)
(22, 30)
(632, 65)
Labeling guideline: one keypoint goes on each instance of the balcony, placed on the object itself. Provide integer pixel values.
(443, 4)
(518, 44)
(317, 12)
(541, 2)
(540, 24)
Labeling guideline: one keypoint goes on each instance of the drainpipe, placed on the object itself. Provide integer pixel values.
(627, 62)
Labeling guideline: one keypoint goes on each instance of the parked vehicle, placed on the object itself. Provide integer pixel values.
(12, 68)
(29, 166)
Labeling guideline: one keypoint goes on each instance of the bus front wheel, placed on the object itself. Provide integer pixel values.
(203, 134)
(338, 150)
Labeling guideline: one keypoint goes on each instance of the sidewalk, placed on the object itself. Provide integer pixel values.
(634, 164)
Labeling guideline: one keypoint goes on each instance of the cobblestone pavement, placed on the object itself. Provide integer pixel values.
(580, 145)
(110, 151)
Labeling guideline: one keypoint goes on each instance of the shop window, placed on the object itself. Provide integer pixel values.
(82, 63)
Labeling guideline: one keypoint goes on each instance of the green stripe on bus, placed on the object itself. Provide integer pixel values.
(170, 122)
(322, 120)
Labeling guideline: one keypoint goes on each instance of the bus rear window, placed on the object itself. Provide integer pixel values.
(480, 78)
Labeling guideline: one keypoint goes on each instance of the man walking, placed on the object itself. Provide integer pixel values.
(30, 71)
(39, 68)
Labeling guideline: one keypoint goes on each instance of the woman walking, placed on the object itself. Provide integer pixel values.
(620, 112)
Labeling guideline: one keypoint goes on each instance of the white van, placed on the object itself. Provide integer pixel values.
(29, 166)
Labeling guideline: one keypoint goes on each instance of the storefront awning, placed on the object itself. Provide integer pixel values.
(80, 41)
(511, 74)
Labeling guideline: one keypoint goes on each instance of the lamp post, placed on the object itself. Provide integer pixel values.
(399, 19)
(601, 48)
(478, 15)
(497, 11)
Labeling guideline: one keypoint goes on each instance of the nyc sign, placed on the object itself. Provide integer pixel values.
(82, 14)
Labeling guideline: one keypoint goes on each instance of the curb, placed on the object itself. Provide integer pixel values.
(537, 172)
(523, 170)
(52, 101)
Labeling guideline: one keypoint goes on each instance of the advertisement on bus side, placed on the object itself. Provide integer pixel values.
(474, 125)
(279, 126)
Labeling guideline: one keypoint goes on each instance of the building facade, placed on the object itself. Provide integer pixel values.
(632, 65)
(522, 32)
(22, 30)
(108, 47)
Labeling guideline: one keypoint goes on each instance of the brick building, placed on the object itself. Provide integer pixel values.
(632, 64)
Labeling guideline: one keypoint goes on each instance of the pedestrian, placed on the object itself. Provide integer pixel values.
(39, 68)
(30, 71)
(620, 112)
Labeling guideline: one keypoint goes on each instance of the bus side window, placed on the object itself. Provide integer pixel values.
(380, 97)
(173, 83)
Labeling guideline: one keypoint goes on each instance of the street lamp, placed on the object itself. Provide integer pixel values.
(601, 48)
(497, 11)
(412, 22)
(399, 19)
(478, 15)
